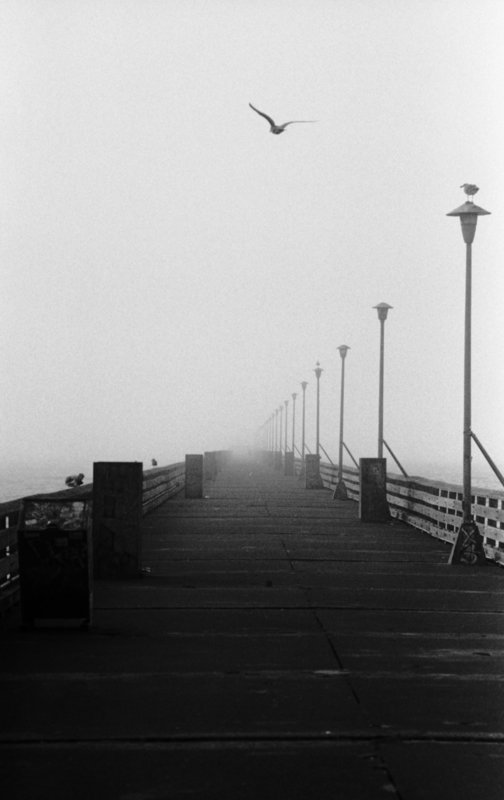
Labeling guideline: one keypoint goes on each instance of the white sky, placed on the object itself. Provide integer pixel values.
(171, 271)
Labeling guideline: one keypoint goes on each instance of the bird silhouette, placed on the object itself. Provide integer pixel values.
(470, 189)
(274, 128)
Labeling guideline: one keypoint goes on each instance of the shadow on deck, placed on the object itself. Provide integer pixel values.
(278, 648)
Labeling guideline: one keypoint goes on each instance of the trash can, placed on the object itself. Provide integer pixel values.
(54, 547)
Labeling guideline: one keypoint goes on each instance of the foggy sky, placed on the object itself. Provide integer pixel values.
(171, 271)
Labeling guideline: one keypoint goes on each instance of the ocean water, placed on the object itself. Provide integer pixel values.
(17, 481)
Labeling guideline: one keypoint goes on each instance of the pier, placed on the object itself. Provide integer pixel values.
(273, 646)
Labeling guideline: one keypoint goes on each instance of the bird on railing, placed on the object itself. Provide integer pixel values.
(470, 189)
(274, 128)
(75, 480)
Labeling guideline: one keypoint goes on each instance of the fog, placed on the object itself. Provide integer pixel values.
(172, 271)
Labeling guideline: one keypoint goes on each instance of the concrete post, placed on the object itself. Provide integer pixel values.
(312, 467)
(194, 476)
(117, 513)
(289, 463)
(373, 506)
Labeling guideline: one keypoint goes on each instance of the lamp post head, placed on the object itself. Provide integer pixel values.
(343, 350)
(286, 403)
(382, 309)
(318, 370)
(304, 384)
(468, 213)
(294, 395)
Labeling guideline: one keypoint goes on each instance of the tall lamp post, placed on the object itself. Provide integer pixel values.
(318, 372)
(304, 384)
(340, 492)
(382, 309)
(286, 403)
(469, 545)
(294, 395)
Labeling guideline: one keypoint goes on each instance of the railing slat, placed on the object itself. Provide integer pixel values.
(434, 507)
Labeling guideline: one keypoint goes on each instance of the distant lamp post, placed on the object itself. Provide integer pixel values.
(340, 492)
(382, 309)
(468, 547)
(318, 372)
(294, 395)
(304, 384)
(281, 426)
(286, 403)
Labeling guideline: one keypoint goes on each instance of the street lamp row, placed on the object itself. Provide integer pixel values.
(340, 491)
(468, 536)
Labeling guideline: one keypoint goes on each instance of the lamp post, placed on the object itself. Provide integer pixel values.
(382, 309)
(281, 426)
(286, 403)
(294, 395)
(470, 541)
(318, 372)
(340, 492)
(304, 384)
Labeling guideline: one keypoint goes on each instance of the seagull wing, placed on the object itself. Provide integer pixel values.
(293, 121)
(262, 114)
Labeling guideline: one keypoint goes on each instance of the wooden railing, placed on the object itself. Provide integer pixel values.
(159, 484)
(434, 507)
(9, 570)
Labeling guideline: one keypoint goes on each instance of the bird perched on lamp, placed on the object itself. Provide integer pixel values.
(274, 128)
(470, 189)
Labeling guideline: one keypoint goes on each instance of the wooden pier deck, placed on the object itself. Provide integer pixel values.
(277, 648)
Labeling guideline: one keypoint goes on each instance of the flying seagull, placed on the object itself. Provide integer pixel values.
(274, 128)
(470, 189)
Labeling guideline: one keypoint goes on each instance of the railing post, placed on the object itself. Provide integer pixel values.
(117, 513)
(312, 467)
(289, 463)
(373, 505)
(194, 476)
(210, 464)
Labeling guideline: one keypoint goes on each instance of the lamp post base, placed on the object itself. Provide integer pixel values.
(340, 492)
(468, 546)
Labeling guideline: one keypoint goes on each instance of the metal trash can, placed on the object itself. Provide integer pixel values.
(55, 561)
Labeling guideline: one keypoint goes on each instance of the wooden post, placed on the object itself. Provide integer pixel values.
(312, 467)
(210, 464)
(194, 476)
(373, 506)
(289, 463)
(117, 513)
